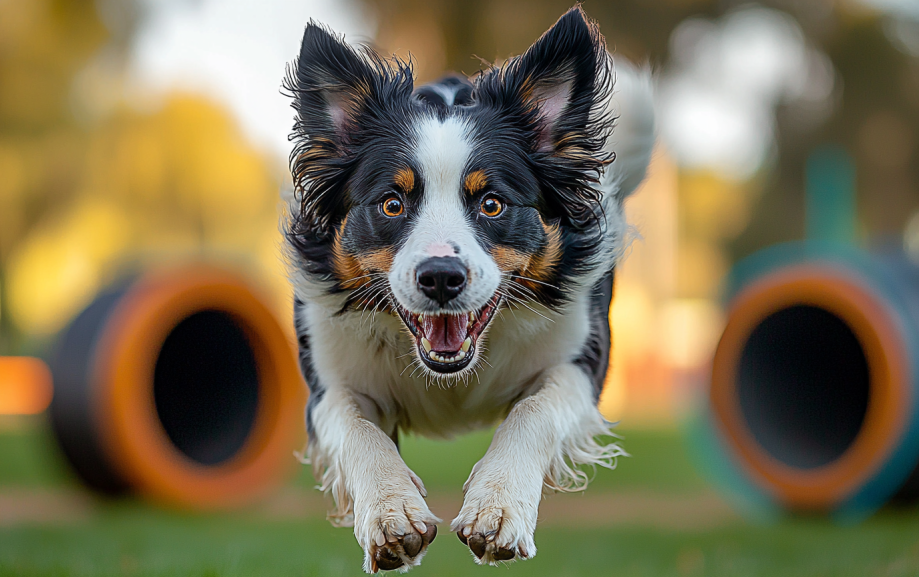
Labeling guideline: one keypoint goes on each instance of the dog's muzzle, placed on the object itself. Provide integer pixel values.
(446, 342)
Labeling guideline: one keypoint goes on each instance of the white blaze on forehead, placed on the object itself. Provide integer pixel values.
(443, 149)
(442, 227)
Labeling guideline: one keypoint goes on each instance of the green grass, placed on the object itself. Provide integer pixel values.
(128, 538)
(133, 540)
(29, 457)
(658, 462)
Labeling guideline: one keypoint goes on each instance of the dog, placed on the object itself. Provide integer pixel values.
(452, 251)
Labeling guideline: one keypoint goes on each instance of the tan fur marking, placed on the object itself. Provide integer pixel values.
(509, 260)
(405, 179)
(377, 260)
(475, 181)
(540, 266)
(347, 268)
(352, 269)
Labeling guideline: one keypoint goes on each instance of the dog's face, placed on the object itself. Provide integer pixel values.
(443, 205)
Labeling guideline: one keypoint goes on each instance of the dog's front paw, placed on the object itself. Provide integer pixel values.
(394, 528)
(399, 550)
(498, 517)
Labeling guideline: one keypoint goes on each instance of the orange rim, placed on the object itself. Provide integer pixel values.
(131, 432)
(824, 487)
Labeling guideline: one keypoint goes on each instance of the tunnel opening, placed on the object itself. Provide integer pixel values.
(803, 384)
(206, 387)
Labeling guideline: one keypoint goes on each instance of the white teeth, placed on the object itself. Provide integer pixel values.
(466, 344)
(421, 318)
(426, 344)
(435, 356)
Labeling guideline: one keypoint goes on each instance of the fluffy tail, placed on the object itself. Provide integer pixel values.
(634, 135)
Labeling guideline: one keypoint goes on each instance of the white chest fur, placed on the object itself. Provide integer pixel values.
(374, 358)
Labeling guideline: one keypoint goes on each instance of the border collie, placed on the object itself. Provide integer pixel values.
(452, 250)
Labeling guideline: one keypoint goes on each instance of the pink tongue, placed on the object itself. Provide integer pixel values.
(446, 333)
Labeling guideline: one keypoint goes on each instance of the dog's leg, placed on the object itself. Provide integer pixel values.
(372, 486)
(539, 444)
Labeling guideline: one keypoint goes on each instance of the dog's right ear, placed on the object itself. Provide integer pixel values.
(330, 83)
(334, 86)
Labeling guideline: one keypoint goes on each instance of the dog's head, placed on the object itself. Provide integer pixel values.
(443, 205)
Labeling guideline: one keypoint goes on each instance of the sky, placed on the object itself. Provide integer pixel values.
(235, 51)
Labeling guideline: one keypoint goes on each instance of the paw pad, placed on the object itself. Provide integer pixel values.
(402, 549)
(479, 545)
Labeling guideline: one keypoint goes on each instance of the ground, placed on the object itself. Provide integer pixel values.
(654, 516)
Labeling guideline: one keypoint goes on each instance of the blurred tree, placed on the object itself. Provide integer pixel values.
(876, 119)
(448, 35)
(43, 45)
(174, 183)
(89, 184)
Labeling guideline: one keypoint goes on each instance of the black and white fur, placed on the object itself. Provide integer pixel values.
(535, 136)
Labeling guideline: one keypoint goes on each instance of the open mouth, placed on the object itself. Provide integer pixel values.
(447, 343)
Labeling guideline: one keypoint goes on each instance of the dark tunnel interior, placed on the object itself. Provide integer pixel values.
(803, 384)
(206, 387)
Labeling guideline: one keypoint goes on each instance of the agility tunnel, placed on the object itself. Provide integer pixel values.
(179, 386)
(814, 395)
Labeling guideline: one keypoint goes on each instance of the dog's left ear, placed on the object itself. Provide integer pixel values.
(557, 91)
(563, 76)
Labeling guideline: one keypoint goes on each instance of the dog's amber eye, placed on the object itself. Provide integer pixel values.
(392, 206)
(491, 206)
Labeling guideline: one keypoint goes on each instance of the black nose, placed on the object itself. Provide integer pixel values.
(441, 278)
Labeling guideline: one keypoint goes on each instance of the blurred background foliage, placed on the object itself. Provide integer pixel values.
(103, 169)
(93, 185)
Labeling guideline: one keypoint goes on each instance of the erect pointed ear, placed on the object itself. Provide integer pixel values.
(330, 82)
(558, 91)
(335, 88)
(564, 76)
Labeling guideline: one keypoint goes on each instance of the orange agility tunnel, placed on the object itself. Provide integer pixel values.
(815, 382)
(180, 386)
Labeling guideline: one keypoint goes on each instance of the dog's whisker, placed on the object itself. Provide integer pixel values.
(409, 365)
(526, 306)
(509, 307)
(374, 287)
(526, 278)
(358, 292)
(363, 276)
(523, 292)
(517, 287)
(376, 304)
(420, 367)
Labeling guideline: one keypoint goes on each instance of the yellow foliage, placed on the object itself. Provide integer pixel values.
(60, 267)
(712, 207)
(42, 44)
(177, 182)
(78, 200)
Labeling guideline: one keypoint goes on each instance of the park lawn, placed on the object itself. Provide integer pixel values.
(130, 538)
